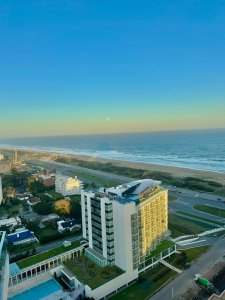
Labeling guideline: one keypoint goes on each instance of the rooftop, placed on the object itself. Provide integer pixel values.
(46, 255)
(133, 191)
(69, 224)
(20, 236)
(91, 274)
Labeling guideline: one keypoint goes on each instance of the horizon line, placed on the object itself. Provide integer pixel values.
(113, 133)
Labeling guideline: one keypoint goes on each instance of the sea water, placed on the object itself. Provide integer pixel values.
(199, 149)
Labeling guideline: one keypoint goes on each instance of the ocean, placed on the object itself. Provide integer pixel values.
(199, 149)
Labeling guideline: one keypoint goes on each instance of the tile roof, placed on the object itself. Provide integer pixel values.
(20, 236)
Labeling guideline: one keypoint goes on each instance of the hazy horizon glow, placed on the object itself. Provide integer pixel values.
(79, 67)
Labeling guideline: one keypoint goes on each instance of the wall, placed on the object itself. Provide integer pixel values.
(111, 285)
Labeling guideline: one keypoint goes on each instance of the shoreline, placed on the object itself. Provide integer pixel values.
(179, 172)
(175, 171)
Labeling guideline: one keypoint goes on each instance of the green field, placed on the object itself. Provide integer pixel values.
(188, 226)
(195, 253)
(172, 198)
(190, 255)
(219, 212)
(220, 192)
(148, 283)
(161, 247)
(200, 218)
(46, 255)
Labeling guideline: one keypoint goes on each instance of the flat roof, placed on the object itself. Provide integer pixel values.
(14, 269)
(95, 253)
(68, 273)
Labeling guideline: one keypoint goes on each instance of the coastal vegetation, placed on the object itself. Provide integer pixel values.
(219, 212)
(167, 178)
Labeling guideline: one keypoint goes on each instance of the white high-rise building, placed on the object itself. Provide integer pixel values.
(123, 225)
(4, 267)
(1, 156)
(1, 194)
(68, 186)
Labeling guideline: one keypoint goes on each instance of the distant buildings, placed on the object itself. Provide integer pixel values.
(68, 186)
(68, 225)
(1, 156)
(21, 236)
(1, 194)
(47, 177)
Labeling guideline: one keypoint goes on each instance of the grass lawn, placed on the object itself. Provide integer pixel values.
(172, 198)
(220, 192)
(148, 283)
(192, 225)
(91, 274)
(46, 231)
(200, 218)
(161, 247)
(46, 255)
(191, 255)
(194, 253)
(179, 230)
(219, 212)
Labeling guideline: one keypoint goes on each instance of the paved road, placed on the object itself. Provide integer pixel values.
(57, 244)
(185, 203)
(185, 279)
(65, 167)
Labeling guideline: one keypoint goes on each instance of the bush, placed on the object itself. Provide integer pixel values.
(43, 208)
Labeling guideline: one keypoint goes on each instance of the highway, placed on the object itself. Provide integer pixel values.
(185, 202)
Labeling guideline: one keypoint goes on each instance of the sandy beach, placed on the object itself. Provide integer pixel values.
(174, 171)
(179, 172)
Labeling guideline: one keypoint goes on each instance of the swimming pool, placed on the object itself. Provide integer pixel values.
(39, 291)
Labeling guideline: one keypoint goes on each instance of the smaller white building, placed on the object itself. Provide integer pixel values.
(68, 186)
(1, 156)
(10, 222)
(70, 225)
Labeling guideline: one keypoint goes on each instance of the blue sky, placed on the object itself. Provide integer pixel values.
(73, 67)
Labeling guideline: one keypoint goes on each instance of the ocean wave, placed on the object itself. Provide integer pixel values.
(197, 163)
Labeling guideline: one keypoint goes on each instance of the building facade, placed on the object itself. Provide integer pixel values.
(123, 225)
(4, 267)
(68, 186)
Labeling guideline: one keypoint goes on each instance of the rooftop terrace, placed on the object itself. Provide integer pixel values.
(91, 274)
(22, 264)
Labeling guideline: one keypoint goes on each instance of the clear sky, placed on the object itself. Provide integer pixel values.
(85, 66)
